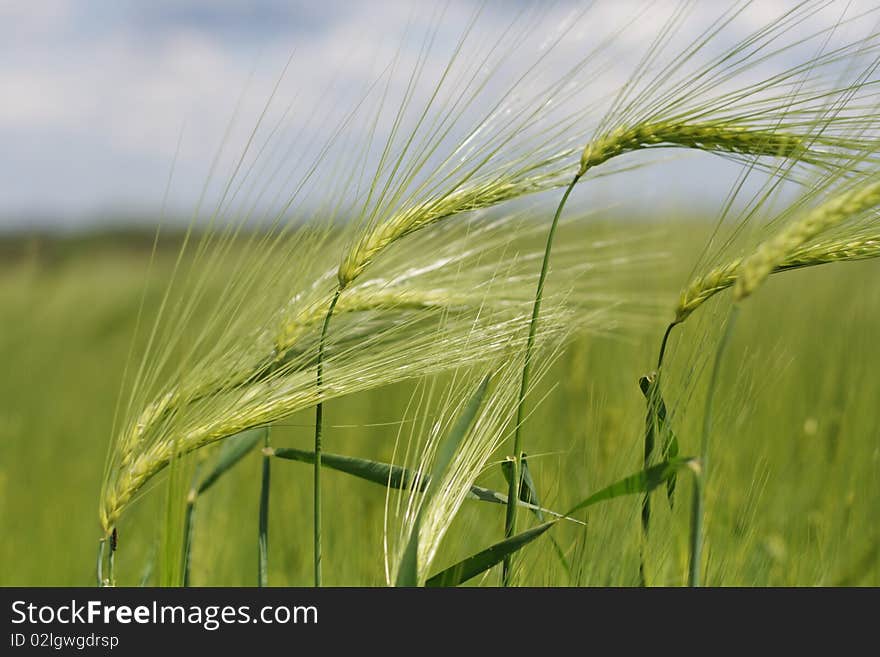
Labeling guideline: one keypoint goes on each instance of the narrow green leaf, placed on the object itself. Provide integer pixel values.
(641, 482)
(407, 573)
(397, 477)
(233, 450)
(377, 472)
(657, 421)
(188, 528)
(671, 453)
(646, 383)
(491, 556)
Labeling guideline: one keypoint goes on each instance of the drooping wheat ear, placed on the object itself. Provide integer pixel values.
(863, 247)
(855, 247)
(460, 252)
(774, 251)
(708, 136)
(704, 287)
(396, 353)
(216, 395)
(494, 191)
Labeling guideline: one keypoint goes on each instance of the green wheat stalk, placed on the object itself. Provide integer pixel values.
(712, 137)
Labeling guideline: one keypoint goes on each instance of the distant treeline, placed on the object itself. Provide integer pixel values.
(50, 247)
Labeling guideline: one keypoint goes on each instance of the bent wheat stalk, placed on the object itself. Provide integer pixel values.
(471, 192)
(788, 249)
(467, 303)
(393, 354)
(708, 136)
(381, 235)
(319, 429)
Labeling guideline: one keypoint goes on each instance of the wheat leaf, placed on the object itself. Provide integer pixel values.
(234, 449)
(483, 561)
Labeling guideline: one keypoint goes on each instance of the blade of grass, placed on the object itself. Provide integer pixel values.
(188, 527)
(650, 387)
(234, 449)
(394, 476)
(177, 487)
(641, 482)
(488, 558)
(527, 490)
(99, 565)
(384, 474)
(656, 423)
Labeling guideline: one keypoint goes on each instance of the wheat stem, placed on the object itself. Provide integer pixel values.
(663, 344)
(188, 522)
(263, 536)
(515, 483)
(99, 565)
(648, 453)
(708, 136)
(651, 429)
(111, 560)
(319, 430)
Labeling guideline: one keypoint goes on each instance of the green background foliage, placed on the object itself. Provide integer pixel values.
(792, 498)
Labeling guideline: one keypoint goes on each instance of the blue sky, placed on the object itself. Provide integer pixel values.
(98, 96)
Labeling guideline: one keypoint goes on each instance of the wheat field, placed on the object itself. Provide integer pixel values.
(793, 501)
(344, 372)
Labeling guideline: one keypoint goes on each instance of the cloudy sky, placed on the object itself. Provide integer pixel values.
(99, 98)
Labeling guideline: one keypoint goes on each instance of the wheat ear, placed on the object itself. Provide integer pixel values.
(774, 251)
(492, 192)
(704, 287)
(709, 136)
(844, 249)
